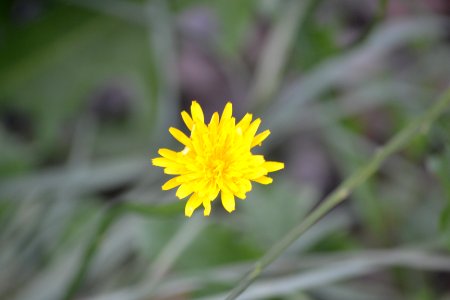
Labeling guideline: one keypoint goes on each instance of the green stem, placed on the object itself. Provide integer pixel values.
(340, 194)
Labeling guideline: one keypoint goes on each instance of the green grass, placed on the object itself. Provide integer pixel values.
(347, 92)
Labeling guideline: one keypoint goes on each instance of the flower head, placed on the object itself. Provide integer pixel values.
(216, 158)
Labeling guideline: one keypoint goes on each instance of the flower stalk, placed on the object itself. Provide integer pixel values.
(340, 194)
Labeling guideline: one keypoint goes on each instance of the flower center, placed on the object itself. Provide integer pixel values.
(216, 168)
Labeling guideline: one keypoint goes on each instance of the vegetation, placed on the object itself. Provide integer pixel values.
(355, 94)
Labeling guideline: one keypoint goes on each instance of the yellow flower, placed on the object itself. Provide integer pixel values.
(216, 158)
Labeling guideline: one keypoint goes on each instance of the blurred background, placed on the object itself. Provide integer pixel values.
(88, 89)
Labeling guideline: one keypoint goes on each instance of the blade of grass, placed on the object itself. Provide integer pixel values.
(345, 148)
(358, 63)
(275, 53)
(191, 281)
(321, 115)
(174, 248)
(161, 39)
(169, 255)
(341, 193)
(80, 180)
(105, 223)
(346, 269)
(109, 217)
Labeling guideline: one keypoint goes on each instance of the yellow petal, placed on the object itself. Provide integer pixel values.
(272, 166)
(197, 112)
(180, 136)
(243, 124)
(252, 129)
(172, 171)
(235, 189)
(170, 184)
(245, 185)
(184, 190)
(228, 201)
(161, 162)
(257, 159)
(240, 194)
(227, 112)
(192, 204)
(231, 185)
(213, 192)
(187, 119)
(207, 206)
(213, 123)
(256, 173)
(257, 140)
(167, 153)
(263, 180)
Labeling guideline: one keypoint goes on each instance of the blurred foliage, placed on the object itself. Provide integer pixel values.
(88, 89)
